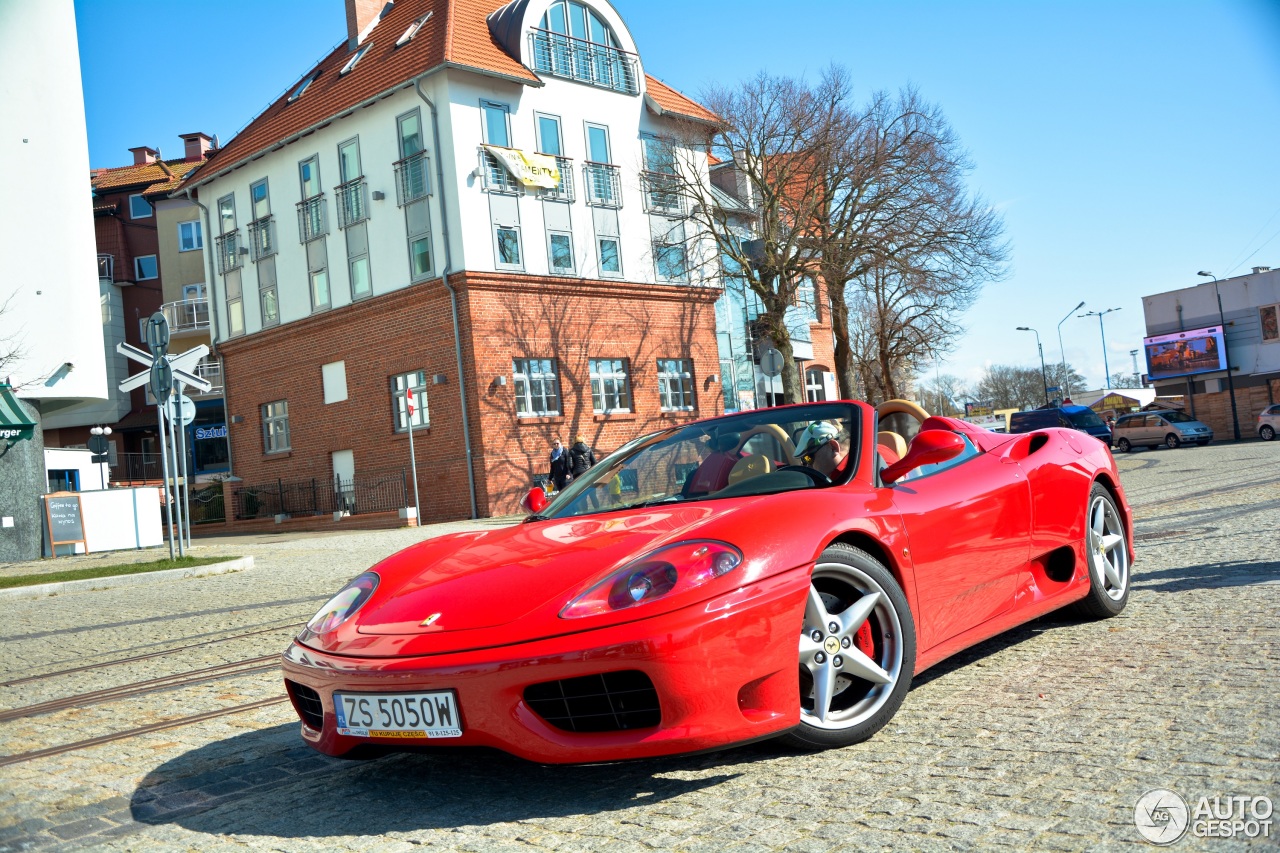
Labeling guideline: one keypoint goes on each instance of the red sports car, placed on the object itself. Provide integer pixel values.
(776, 572)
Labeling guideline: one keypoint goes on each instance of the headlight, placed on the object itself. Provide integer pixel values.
(669, 570)
(344, 605)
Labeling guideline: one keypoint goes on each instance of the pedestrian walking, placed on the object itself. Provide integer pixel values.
(559, 473)
(581, 457)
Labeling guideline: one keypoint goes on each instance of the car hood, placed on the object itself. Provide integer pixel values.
(472, 590)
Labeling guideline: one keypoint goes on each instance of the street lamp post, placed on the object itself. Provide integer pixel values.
(104, 432)
(1099, 315)
(1226, 354)
(1043, 377)
(1066, 380)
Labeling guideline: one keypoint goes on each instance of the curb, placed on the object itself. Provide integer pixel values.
(112, 581)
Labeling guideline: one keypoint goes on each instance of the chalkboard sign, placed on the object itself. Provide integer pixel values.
(66, 527)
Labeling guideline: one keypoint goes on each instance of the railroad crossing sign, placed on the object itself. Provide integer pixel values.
(180, 409)
(182, 367)
(771, 362)
(161, 379)
(158, 334)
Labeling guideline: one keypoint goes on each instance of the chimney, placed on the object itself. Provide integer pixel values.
(1257, 270)
(361, 16)
(197, 145)
(143, 155)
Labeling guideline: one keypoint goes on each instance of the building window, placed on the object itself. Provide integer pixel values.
(302, 87)
(275, 426)
(610, 257)
(412, 189)
(536, 386)
(260, 199)
(406, 387)
(815, 388)
(549, 135)
(495, 118)
(352, 194)
(226, 214)
(262, 229)
(560, 244)
(806, 299)
(267, 294)
(610, 385)
(144, 267)
(506, 242)
(319, 288)
(418, 225)
(413, 30)
(661, 183)
(572, 41)
(355, 57)
(190, 237)
(139, 207)
(312, 220)
(675, 384)
(669, 259)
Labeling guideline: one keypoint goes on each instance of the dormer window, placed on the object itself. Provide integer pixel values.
(355, 57)
(572, 40)
(302, 87)
(413, 30)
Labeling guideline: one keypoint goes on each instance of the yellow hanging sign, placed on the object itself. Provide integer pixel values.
(532, 170)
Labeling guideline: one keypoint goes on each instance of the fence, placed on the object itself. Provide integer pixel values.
(206, 504)
(384, 491)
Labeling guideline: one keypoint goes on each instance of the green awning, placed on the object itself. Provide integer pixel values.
(15, 426)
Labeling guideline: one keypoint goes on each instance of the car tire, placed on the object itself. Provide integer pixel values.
(1171, 441)
(1122, 444)
(1106, 549)
(862, 670)
(1267, 432)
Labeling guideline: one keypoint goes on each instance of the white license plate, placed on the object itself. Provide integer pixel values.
(398, 715)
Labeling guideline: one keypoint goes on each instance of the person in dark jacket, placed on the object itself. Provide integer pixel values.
(581, 457)
(559, 473)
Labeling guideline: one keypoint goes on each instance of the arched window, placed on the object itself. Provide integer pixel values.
(573, 41)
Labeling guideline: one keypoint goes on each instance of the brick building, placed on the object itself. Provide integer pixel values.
(462, 201)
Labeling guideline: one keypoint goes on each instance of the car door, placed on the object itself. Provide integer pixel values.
(968, 522)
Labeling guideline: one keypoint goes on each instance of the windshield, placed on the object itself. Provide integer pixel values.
(754, 453)
(1086, 418)
(1177, 417)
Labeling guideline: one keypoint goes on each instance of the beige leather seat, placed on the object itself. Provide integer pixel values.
(893, 442)
(748, 467)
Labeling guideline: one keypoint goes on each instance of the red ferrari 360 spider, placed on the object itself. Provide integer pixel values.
(776, 572)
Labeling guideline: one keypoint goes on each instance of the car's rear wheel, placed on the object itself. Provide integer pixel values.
(857, 650)
(1106, 546)
(1122, 444)
(1267, 432)
(1171, 441)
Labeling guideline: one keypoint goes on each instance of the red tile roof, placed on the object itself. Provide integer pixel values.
(677, 103)
(162, 176)
(457, 35)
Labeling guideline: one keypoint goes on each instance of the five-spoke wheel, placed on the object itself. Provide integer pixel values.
(1106, 547)
(1171, 441)
(857, 650)
(1122, 444)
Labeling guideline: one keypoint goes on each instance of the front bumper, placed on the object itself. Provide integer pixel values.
(725, 671)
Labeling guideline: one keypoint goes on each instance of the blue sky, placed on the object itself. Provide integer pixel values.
(1128, 144)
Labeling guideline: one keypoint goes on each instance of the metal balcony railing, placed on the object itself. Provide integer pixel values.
(564, 192)
(603, 184)
(313, 220)
(229, 252)
(577, 59)
(107, 268)
(662, 193)
(262, 238)
(413, 178)
(497, 179)
(353, 202)
(188, 315)
(211, 371)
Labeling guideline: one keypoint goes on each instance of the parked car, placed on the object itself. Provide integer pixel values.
(1081, 418)
(1165, 427)
(1269, 422)
(781, 572)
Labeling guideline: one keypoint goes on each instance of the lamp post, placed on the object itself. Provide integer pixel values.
(1099, 315)
(1043, 377)
(1226, 354)
(1066, 380)
(102, 442)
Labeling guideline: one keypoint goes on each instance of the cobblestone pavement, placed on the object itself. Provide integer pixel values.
(1043, 738)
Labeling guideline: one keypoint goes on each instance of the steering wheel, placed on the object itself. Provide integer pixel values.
(886, 422)
(814, 474)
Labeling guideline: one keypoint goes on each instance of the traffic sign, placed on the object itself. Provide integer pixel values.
(771, 362)
(180, 408)
(158, 334)
(161, 380)
(98, 444)
(183, 366)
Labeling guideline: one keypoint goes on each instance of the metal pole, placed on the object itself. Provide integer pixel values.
(1062, 352)
(186, 485)
(164, 473)
(177, 496)
(1226, 354)
(413, 460)
(1043, 377)
(1105, 366)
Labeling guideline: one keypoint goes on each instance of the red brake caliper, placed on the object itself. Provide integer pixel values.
(863, 640)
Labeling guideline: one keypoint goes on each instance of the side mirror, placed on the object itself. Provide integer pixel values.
(535, 501)
(927, 448)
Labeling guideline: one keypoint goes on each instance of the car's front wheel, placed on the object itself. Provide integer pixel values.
(1122, 444)
(857, 650)
(1106, 546)
(1267, 432)
(1171, 441)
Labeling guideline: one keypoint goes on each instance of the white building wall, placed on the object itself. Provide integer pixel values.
(50, 287)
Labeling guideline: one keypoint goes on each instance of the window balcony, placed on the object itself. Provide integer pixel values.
(107, 268)
(497, 179)
(188, 315)
(413, 178)
(586, 62)
(229, 252)
(353, 202)
(662, 193)
(210, 369)
(262, 238)
(564, 192)
(313, 219)
(603, 184)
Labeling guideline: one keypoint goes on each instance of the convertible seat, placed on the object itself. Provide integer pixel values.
(713, 474)
(892, 446)
(748, 467)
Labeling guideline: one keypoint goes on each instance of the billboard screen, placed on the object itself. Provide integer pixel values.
(1185, 353)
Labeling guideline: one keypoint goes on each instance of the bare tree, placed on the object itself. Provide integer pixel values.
(1066, 378)
(11, 346)
(1009, 387)
(944, 394)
